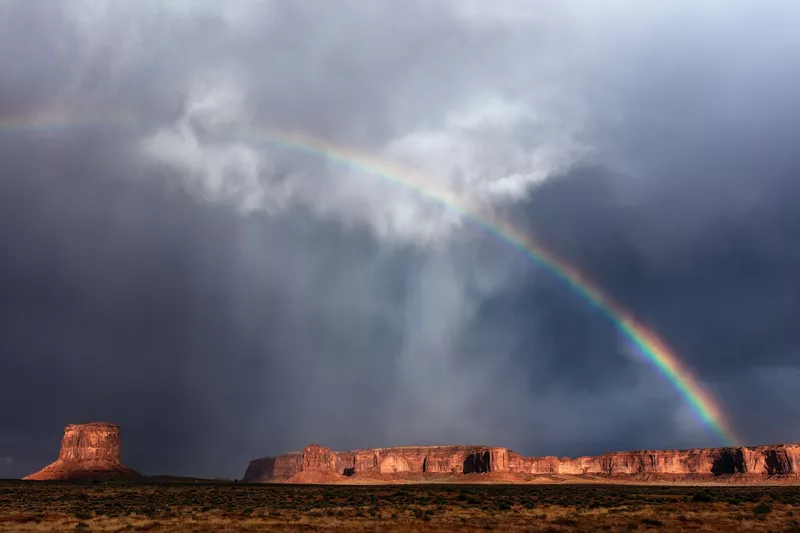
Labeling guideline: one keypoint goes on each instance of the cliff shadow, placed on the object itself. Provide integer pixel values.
(774, 464)
(476, 463)
(724, 464)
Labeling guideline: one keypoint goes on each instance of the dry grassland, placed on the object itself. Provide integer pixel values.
(195, 507)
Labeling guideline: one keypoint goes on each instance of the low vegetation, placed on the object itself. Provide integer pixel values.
(199, 507)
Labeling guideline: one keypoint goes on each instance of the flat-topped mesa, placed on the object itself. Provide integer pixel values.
(782, 459)
(376, 461)
(425, 460)
(92, 443)
(88, 451)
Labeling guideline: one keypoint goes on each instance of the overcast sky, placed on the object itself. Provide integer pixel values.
(222, 298)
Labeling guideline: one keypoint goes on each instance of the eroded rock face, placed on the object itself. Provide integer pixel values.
(288, 464)
(87, 451)
(366, 461)
(764, 460)
(317, 458)
(260, 470)
(413, 460)
(781, 459)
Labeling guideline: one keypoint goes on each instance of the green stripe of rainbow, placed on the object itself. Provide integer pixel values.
(655, 350)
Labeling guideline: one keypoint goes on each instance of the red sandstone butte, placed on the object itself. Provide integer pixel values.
(88, 451)
(317, 464)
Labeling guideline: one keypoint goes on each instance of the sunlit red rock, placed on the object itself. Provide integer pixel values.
(88, 451)
(414, 461)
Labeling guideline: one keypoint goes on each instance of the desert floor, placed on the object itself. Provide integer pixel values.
(31, 506)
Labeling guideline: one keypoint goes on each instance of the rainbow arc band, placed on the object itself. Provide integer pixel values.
(653, 349)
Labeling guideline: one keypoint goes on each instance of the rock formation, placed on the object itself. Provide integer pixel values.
(319, 464)
(278, 468)
(88, 451)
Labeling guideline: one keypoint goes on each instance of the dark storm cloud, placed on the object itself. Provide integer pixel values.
(122, 304)
(347, 312)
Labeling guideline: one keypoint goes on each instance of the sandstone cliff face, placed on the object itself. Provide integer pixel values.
(87, 451)
(780, 459)
(412, 460)
(366, 461)
(763, 460)
(260, 470)
(288, 464)
(317, 458)
(422, 459)
(403, 460)
(274, 468)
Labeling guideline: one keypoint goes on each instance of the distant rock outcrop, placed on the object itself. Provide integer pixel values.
(319, 464)
(278, 468)
(88, 451)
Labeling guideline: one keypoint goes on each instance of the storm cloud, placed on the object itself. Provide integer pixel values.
(165, 266)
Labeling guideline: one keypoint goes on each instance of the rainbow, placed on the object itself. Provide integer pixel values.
(654, 350)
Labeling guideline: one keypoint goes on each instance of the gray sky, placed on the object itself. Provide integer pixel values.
(222, 298)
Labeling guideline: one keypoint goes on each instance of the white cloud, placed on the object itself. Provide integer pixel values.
(490, 147)
(91, 15)
(213, 170)
(481, 12)
(494, 150)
